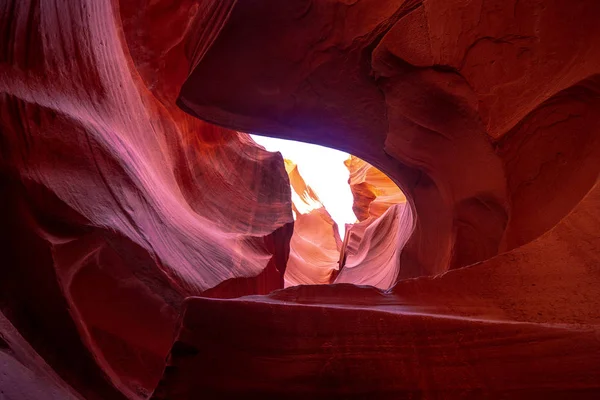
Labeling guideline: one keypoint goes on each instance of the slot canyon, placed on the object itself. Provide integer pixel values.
(152, 249)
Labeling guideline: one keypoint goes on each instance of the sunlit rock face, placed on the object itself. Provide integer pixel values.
(370, 251)
(521, 325)
(373, 191)
(127, 193)
(315, 244)
(372, 247)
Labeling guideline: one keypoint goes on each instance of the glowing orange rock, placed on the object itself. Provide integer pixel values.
(373, 191)
(304, 198)
(314, 249)
(371, 253)
(315, 244)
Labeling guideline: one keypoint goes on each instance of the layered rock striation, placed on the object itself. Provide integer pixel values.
(523, 325)
(116, 205)
(479, 111)
(315, 244)
(136, 217)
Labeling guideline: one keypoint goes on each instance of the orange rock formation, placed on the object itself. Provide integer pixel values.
(315, 244)
(373, 191)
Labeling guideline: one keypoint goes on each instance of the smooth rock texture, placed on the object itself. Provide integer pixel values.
(372, 255)
(445, 97)
(134, 212)
(314, 250)
(372, 248)
(117, 204)
(521, 325)
(373, 191)
(315, 244)
(25, 375)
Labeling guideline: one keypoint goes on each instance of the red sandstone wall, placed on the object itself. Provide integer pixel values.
(521, 325)
(117, 205)
(477, 110)
(315, 244)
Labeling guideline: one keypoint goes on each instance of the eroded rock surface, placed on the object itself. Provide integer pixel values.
(477, 110)
(523, 324)
(126, 189)
(373, 191)
(117, 205)
(371, 253)
(315, 244)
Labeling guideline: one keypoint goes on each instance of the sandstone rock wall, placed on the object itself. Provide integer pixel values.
(127, 192)
(117, 205)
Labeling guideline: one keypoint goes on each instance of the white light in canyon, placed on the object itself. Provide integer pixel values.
(323, 170)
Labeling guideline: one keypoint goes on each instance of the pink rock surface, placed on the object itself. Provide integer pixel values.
(315, 244)
(135, 204)
(314, 250)
(117, 205)
(25, 375)
(371, 253)
(376, 260)
(522, 325)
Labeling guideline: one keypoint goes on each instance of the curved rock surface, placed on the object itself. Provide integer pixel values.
(128, 192)
(314, 250)
(25, 375)
(373, 191)
(371, 254)
(523, 325)
(447, 98)
(304, 198)
(315, 244)
(120, 202)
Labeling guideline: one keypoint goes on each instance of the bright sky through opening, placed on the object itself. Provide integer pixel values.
(323, 170)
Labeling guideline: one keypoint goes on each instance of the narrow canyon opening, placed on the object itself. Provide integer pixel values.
(340, 204)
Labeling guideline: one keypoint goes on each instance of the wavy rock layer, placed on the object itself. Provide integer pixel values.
(376, 258)
(116, 204)
(314, 250)
(373, 191)
(481, 111)
(315, 244)
(371, 254)
(523, 324)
